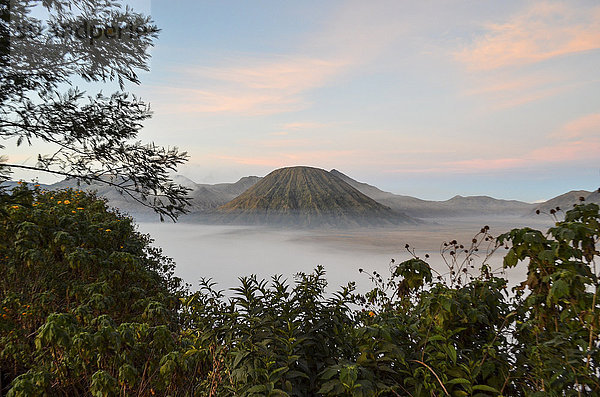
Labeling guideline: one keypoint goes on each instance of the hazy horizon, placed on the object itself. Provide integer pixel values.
(539, 201)
(36, 177)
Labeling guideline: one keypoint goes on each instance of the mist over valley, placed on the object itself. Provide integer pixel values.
(226, 252)
(296, 218)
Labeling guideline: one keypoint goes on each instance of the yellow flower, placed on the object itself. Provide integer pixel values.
(67, 202)
(74, 211)
(15, 207)
(58, 202)
(108, 230)
(79, 208)
(371, 314)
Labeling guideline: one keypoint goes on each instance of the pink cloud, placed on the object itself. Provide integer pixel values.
(503, 84)
(567, 151)
(249, 87)
(577, 142)
(514, 99)
(502, 90)
(586, 126)
(559, 152)
(287, 74)
(190, 100)
(542, 31)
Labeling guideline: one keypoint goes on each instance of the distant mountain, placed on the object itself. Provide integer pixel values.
(308, 196)
(206, 199)
(457, 206)
(374, 192)
(485, 205)
(567, 200)
(232, 190)
(185, 181)
(594, 197)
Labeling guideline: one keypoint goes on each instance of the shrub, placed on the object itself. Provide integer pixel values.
(85, 302)
(89, 308)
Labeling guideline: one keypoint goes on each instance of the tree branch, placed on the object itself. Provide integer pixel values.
(121, 188)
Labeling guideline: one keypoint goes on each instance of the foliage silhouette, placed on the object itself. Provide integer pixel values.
(93, 137)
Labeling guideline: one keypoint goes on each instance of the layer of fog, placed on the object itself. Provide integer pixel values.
(225, 253)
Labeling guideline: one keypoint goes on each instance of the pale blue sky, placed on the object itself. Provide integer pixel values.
(429, 99)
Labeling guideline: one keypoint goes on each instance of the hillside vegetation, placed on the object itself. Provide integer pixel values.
(88, 307)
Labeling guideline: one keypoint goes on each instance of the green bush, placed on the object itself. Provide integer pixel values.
(85, 303)
(89, 308)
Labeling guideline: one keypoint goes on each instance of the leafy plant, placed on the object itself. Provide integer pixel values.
(86, 302)
(557, 318)
(88, 307)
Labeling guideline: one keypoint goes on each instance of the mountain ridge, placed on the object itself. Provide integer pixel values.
(308, 196)
(457, 206)
(206, 198)
(566, 200)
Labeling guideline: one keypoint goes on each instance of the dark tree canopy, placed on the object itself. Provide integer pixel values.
(94, 135)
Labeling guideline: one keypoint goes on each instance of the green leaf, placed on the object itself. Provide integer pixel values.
(459, 381)
(329, 373)
(280, 370)
(486, 388)
(348, 375)
(459, 393)
(239, 356)
(328, 386)
(452, 353)
(546, 256)
(257, 389)
(510, 260)
(297, 374)
(363, 358)
(278, 393)
(559, 289)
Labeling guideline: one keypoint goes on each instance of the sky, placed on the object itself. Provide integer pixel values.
(429, 99)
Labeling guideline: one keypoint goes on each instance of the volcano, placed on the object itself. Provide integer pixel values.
(307, 196)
